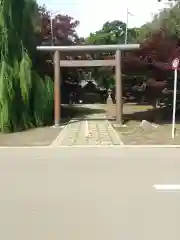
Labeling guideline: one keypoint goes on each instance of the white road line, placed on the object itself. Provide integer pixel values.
(94, 146)
(167, 187)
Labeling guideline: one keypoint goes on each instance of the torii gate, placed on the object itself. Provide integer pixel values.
(58, 63)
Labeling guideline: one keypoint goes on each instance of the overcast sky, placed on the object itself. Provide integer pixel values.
(92, 14)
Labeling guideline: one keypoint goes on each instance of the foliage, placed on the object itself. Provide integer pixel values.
(63, 28)
(167, 19)
(111, 33)
(26, 88)
(64, 33)
(160, 38)
(18, 76)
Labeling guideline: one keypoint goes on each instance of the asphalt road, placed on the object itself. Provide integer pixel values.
(89, 194)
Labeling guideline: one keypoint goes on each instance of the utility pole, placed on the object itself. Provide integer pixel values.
(127, 23)
(52, 16)
(52, 31)
(126, 32)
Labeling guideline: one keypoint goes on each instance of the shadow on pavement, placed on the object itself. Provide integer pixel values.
(159, 116)
(79, 113)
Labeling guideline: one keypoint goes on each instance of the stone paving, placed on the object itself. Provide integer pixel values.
(93, 130)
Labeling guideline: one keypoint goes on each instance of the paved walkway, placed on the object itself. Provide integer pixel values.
(94, 129)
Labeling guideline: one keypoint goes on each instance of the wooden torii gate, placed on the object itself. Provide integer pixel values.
(58, 63)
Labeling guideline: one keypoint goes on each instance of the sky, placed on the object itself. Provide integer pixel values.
(92, 14)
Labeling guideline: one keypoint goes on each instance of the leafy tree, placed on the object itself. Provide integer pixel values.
(170, 1)
(64, 28)
(26, 98)
(168, 19)
(64, 33)
(160, 38)
(26, 90)
(111, 33)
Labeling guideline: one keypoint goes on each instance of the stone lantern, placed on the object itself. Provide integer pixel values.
(109, 98)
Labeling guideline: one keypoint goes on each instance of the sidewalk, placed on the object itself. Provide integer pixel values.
(93, 130)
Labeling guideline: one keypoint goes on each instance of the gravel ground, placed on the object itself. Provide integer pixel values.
(46, 135)
(34, 137)
(133, 133)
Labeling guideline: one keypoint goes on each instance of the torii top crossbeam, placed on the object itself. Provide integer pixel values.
(122, 47)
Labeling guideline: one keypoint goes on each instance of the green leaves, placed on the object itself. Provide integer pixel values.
(168, 19)
(25, 76)
(22, 91)
(111, 33)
